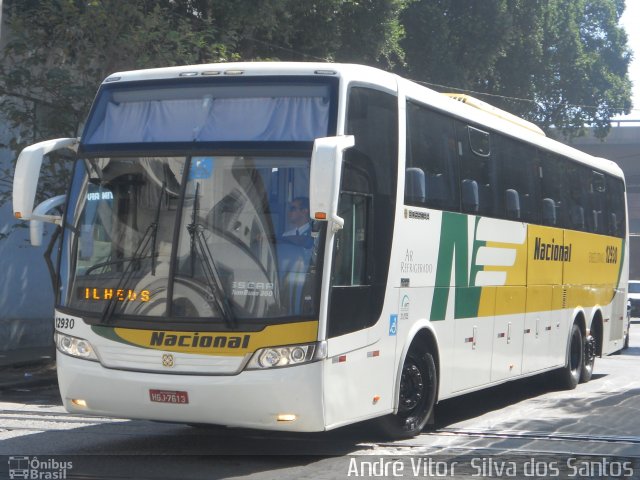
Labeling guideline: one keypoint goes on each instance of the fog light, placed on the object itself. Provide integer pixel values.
(78, 402)
(287, 417)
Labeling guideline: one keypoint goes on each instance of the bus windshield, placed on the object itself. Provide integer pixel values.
(210, 238)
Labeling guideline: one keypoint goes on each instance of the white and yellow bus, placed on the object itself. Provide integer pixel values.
(452, 247)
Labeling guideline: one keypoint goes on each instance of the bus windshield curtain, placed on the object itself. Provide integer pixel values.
(211, 119)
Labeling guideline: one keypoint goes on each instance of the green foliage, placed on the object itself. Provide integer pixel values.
(559, 63)
(58, 52)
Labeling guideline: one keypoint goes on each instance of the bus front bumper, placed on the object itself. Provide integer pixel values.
(287, 399)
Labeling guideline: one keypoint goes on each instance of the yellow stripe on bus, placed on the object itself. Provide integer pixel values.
(221, 343)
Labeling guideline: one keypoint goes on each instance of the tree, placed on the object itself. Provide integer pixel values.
(58, 52)
(560, 63)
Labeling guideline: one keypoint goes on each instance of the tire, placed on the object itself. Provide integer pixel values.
(417, 397)
(588, 359)
(569, 375)
(626, 338)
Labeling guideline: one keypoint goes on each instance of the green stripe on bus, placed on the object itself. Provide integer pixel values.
(454, 245)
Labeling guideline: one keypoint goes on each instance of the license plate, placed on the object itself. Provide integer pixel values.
(168, 396)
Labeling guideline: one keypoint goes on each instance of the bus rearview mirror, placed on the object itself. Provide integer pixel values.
(326, 170)
(25, 178)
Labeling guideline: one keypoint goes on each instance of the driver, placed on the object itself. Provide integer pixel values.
(299, 219)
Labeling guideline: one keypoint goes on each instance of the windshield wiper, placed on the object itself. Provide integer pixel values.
(154, 235)
(152, 230)
(212, 276)
(150, 237)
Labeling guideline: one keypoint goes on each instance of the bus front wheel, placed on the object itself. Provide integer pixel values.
(417, 396)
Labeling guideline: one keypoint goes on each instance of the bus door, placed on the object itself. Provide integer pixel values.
(360, 370)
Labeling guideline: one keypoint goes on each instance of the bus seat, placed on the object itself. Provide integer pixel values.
(548, 211)
(577, 217)
(437, 187)
(416, 187)
(470, 196)
(512, 203)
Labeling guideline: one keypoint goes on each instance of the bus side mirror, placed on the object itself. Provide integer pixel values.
(324, 179)
(36, 227)
(25, 178)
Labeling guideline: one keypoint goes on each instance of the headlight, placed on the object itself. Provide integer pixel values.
(75, 347)
(276, 357)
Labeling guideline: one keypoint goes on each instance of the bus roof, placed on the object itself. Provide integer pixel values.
(251, 69)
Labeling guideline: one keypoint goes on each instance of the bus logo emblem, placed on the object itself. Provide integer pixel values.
(168, 360)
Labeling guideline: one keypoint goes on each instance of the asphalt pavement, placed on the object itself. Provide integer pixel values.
(28, 375)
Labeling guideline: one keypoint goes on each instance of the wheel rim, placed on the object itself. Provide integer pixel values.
(412, 389)
(589, 352)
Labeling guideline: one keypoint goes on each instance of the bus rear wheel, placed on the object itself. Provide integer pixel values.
(417, 396)
(589, 359)
(569, 375)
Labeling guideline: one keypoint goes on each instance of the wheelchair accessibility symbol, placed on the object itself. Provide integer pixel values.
(393, 325)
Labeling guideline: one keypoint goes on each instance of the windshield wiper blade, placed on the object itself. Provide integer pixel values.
(128, 271)
(211, 274)
(150, 237)
(154, 235)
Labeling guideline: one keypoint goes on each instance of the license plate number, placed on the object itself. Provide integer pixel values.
(169, 396)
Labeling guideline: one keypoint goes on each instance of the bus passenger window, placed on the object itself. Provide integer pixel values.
(479, 142)
(615, 205)
(481, 193)
(599, 202)
(554, 189)
(519, 171)
(431, 179)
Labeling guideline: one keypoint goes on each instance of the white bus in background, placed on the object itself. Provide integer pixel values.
(454, 247)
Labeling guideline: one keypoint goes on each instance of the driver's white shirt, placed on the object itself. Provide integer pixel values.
(301, 230)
